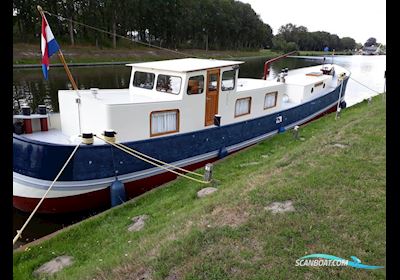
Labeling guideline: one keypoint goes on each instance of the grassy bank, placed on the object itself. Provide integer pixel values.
(30, 54)
(322, 53)
(338, 192)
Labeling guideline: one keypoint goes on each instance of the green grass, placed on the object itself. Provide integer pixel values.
(338, 194)
(30, 54)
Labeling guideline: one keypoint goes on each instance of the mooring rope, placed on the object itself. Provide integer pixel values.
(19, 232)
(364, 85)
(119, 36)
(159, 161)
(340, 97)
(153, 163)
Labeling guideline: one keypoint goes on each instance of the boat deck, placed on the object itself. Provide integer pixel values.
(55, 136)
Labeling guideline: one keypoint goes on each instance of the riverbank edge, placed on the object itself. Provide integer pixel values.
(81, 57)
(356, 112)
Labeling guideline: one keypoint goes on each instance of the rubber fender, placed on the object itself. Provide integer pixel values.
(223, 152)
(117, 193)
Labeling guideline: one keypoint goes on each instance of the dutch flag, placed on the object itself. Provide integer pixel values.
(49, 46)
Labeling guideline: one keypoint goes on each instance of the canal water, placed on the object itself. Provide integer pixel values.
(29, 86)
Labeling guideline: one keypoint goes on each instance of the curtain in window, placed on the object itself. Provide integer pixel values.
(163, 122)
(242, 106)
(270, 100)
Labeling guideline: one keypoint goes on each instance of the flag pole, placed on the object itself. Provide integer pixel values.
(70, 77)
(61, 56)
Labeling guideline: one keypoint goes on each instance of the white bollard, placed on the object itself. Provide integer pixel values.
(208, 172)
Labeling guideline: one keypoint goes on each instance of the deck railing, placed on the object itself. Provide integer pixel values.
(268, 62)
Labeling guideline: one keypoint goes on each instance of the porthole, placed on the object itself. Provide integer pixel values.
(312, 90)
(323, 86)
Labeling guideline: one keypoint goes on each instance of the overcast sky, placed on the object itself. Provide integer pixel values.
(357, 19)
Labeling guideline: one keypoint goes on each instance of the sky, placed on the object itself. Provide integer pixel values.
(357, 19)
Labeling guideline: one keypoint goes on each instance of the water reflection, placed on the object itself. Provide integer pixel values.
(29, 85)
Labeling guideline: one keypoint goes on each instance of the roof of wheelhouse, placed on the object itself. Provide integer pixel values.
(185, 64)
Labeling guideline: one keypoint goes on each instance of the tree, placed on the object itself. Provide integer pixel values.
(304, 40)
(280, 44)
(348, 43)
(371, 41)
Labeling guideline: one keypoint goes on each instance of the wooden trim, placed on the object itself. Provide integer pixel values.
(214, 71)
(276, 99)
(217, 90)
(167, 132)
(249, 97)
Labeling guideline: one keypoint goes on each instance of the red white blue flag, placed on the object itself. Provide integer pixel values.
(49, 46)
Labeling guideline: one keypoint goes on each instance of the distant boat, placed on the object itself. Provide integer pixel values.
(373, 50)
(185, 112)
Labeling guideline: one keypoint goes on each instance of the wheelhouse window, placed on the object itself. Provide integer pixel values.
(143, 80)
(169, 84)
(213, 81)
(228, 80)
(242, 106)
(195, 85)
(270, 100)
(164, 122)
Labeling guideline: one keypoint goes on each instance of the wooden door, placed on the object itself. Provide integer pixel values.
(212, 93)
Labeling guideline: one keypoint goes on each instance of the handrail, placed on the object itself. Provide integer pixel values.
(266, 65)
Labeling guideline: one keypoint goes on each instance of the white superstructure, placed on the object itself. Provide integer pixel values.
(183, 95)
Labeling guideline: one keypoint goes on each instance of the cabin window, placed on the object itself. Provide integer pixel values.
(164, 122)
(143, 80)
(270, 100)
(213, 81)
(228, 80)
(242, 106)
(195, 85)
(169, 84)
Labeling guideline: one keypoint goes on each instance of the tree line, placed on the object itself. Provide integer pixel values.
(291, 37)
(214, 24)
(206, 24)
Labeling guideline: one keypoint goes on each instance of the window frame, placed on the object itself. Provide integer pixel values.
(133, 80)
(276, 99)
(203, 85)
(248, 97)
(180, 85)
(234, 80)
(166, 132)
